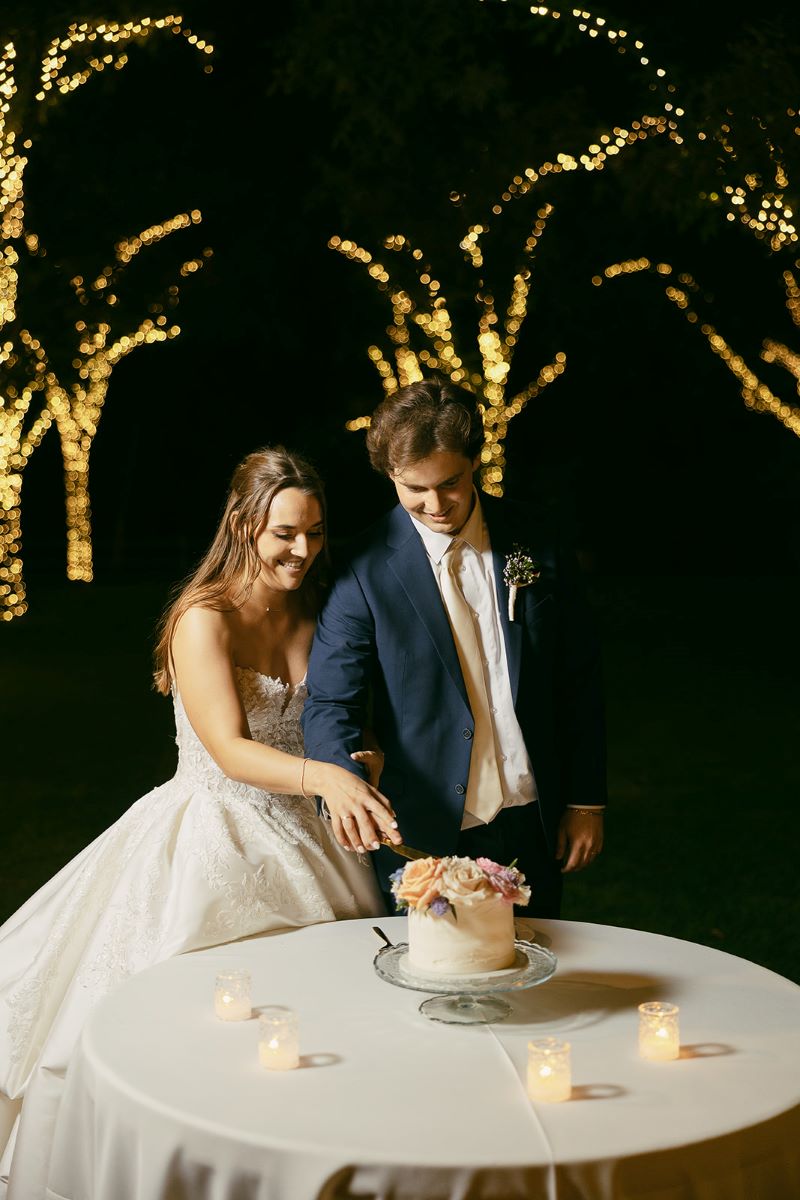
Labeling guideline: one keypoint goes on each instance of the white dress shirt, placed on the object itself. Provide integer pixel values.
(480, 592)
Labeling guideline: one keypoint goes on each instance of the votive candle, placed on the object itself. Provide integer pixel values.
(659, 1036)
(549, 1070)
(232, 996)
(278, 1047)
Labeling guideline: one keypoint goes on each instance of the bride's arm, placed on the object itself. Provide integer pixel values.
(205, 677)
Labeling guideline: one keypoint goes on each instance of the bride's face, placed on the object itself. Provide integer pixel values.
(289, 540)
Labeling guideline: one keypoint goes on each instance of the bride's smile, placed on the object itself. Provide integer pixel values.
(290, 539)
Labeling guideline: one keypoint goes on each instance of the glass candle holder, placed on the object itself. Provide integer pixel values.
(549, 1070)
(659, 1036)
(232, 996)
(278, 1047)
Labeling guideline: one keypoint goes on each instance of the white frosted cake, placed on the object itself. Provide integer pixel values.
(460, 914)
(468, 941)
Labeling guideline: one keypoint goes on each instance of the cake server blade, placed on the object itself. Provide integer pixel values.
(403, 850)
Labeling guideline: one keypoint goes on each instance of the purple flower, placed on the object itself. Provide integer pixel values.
(509, 875)
(439, 906)
(508, 881)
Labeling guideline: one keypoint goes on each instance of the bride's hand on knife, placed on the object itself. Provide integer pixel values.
(361, 816)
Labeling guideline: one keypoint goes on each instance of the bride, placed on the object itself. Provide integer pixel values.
(232, 844)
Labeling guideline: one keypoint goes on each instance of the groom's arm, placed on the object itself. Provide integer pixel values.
(339, 671)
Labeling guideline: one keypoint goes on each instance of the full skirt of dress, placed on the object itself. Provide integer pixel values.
(198, 861)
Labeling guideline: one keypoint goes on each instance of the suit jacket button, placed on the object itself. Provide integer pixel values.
(467, 734)
(459, 789)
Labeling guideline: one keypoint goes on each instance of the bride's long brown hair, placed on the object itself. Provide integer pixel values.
(225, 576)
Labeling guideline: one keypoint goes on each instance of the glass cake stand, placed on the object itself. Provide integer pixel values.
(467, 999)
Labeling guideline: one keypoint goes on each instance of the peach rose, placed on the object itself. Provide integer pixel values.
(420, 882)
(462, 880)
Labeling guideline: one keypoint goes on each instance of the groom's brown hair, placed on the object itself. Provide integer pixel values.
(416, 421)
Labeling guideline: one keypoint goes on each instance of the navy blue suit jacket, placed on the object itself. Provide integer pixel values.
(383, 657)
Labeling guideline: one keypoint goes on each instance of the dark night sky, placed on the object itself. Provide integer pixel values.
(359, 118)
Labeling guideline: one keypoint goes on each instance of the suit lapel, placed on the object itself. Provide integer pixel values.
(512, 630)
(409, 563)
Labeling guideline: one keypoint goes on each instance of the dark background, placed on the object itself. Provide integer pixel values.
(360, 118)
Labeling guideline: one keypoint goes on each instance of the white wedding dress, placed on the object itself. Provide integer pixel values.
(198, 861)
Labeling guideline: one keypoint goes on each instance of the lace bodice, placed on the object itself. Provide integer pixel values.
(273, 711)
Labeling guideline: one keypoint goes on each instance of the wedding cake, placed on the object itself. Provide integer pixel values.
(460, 914)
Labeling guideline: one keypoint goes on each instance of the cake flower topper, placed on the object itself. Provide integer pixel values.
(435, 885)
(520, 570)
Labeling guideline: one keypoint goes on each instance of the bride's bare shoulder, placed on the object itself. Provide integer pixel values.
(200, 627)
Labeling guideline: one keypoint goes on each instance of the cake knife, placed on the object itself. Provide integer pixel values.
(403, 850)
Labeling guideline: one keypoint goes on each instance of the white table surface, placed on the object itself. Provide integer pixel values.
(164, 1099)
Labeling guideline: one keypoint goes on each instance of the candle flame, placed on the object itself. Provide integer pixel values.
(273, 1043)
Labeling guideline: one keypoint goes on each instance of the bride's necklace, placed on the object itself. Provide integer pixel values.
(274, 608)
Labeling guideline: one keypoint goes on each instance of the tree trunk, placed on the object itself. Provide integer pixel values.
(12, 585)
(79, 513)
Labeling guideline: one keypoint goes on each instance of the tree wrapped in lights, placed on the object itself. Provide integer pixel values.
(432, 321)
(761, 204)
(422, 335)
(34, 392)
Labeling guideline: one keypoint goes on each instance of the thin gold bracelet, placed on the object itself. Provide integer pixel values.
(587, 812)
(303, 779)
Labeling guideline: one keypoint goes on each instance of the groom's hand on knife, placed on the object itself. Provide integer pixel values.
(373, 760)
(360, 815)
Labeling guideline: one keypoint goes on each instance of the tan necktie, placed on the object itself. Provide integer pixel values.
(484, 790)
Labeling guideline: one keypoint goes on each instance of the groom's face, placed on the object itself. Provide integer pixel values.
(437, 490)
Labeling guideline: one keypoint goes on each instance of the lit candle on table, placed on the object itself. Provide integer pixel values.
(549, 1074)
(659, 1037)
(232, 996)
(278, 1048)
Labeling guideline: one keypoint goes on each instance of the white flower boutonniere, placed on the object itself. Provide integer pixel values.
(520, 570)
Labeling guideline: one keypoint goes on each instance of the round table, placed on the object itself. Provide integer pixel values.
(164, 1099)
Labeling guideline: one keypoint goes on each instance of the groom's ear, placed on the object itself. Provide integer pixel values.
(476, 463)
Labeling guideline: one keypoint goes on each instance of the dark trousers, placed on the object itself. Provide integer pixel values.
(516, 834)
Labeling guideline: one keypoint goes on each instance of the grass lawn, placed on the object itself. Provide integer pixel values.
(704, 772)
(703, 709)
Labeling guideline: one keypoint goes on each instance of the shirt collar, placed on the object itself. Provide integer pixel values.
(473, 532)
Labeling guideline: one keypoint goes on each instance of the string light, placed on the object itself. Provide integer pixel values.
(764, 212)
(73, 405)
(496, 338)
(755, 393)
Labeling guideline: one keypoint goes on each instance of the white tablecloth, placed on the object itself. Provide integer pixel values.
(164, 1100)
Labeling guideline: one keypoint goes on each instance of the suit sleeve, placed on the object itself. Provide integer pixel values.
(339, 671)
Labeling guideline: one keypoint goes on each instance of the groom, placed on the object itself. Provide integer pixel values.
(489, 713)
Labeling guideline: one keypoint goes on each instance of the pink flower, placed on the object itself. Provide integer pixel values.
(486, 864)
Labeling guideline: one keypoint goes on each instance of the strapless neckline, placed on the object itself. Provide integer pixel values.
(289, 687)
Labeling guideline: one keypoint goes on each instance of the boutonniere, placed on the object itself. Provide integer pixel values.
(520, 570)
